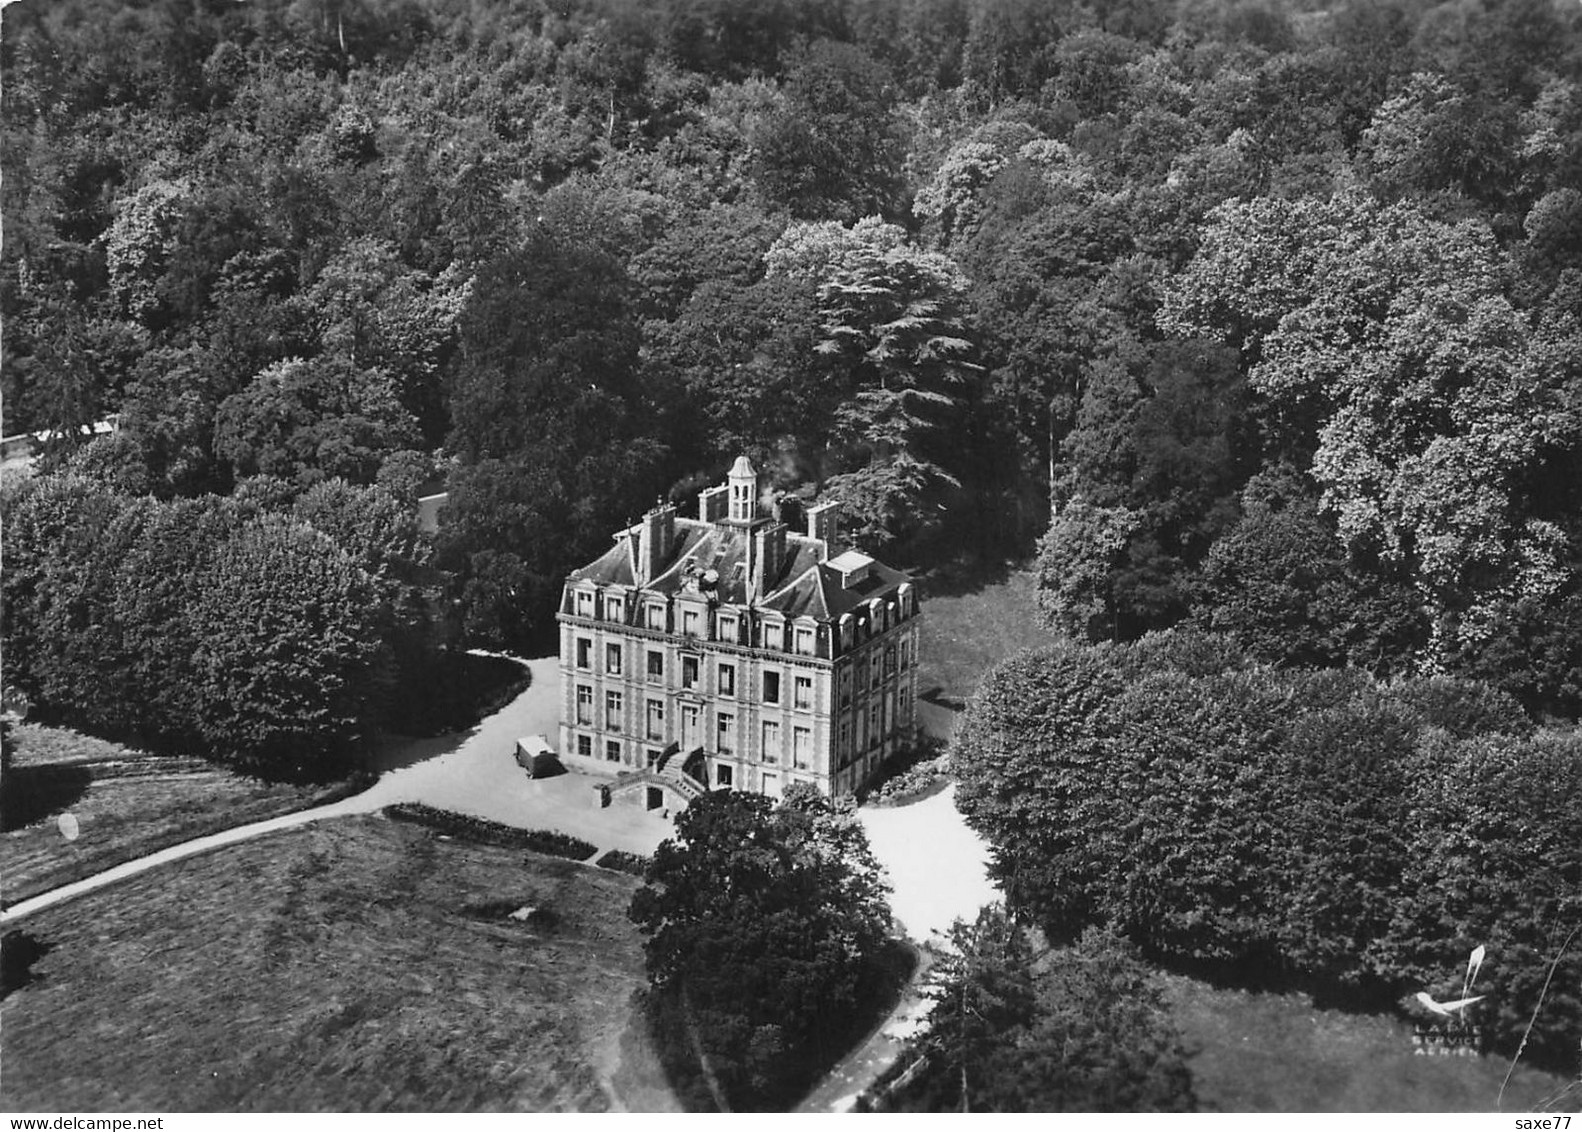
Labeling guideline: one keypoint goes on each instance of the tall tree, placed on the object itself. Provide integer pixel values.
(834, 151)
(1078, 1029)
(763, 926)
(314, 419)
(1402, 379)
(894, 329)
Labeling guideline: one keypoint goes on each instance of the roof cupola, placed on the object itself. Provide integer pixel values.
(743, 482)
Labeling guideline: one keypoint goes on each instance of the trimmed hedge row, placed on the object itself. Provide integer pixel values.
(483, 831)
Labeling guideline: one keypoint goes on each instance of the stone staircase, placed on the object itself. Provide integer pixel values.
(667, 774)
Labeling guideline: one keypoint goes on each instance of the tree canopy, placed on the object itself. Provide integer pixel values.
(1004, 277)
(763, 927)
(1277, 822)
(1019, 1028)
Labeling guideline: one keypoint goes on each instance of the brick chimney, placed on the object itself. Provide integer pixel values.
(657, 539)
(768, 557)
(712, 503)
(823, 524)
(788, 510)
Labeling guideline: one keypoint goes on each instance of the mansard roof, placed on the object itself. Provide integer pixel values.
(803, 587)
(819, 591)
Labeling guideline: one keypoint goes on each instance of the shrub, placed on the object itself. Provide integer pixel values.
(619, 860)
(913, 773)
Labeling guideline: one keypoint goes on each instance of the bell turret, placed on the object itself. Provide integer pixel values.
(743, 482)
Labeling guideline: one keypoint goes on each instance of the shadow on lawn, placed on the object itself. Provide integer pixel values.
(18, 952)
(32, 793)
(966, 574)
(1269, 976)
(453, 692)
(442, 705)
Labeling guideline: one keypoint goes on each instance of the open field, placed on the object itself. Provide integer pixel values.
(127, 803)
(967, 632)
(1263, 1052)
(361, 964)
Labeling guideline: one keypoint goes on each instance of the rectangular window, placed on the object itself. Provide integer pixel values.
(656, 617)
(612, 659)
(726, 742)
(689, 671)
(612, 711)
(612, 750)
(845, 688)
(612, 609)
(656, 666)
(873, 672)
(873, 726)
(727, 628)
(584, 604)
(804, 641)
(656, 719)
(690, 622)
(844, 751)
(802, 692)
(771, 742)
(728, 680)
(584, 703)
(774, 636)
(802, 747)
(585, 746)
(722, 776)
(771, 687)
(584, 653)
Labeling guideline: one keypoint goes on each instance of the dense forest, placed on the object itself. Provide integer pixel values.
(1256, 324)
(1260, 317)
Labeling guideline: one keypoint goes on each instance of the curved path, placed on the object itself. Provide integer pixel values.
(476, 775)
(939, 872)
(179, 852)
(937, 866)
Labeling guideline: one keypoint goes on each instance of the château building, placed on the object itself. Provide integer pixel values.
(735, 649)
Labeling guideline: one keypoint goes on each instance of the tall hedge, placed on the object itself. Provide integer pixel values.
(1035, 778)
(194, 623)
(1365, 835)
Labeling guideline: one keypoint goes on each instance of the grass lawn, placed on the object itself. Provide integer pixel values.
(359, 965)
(1260, 1052)
(967, 632)
(127, 803)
